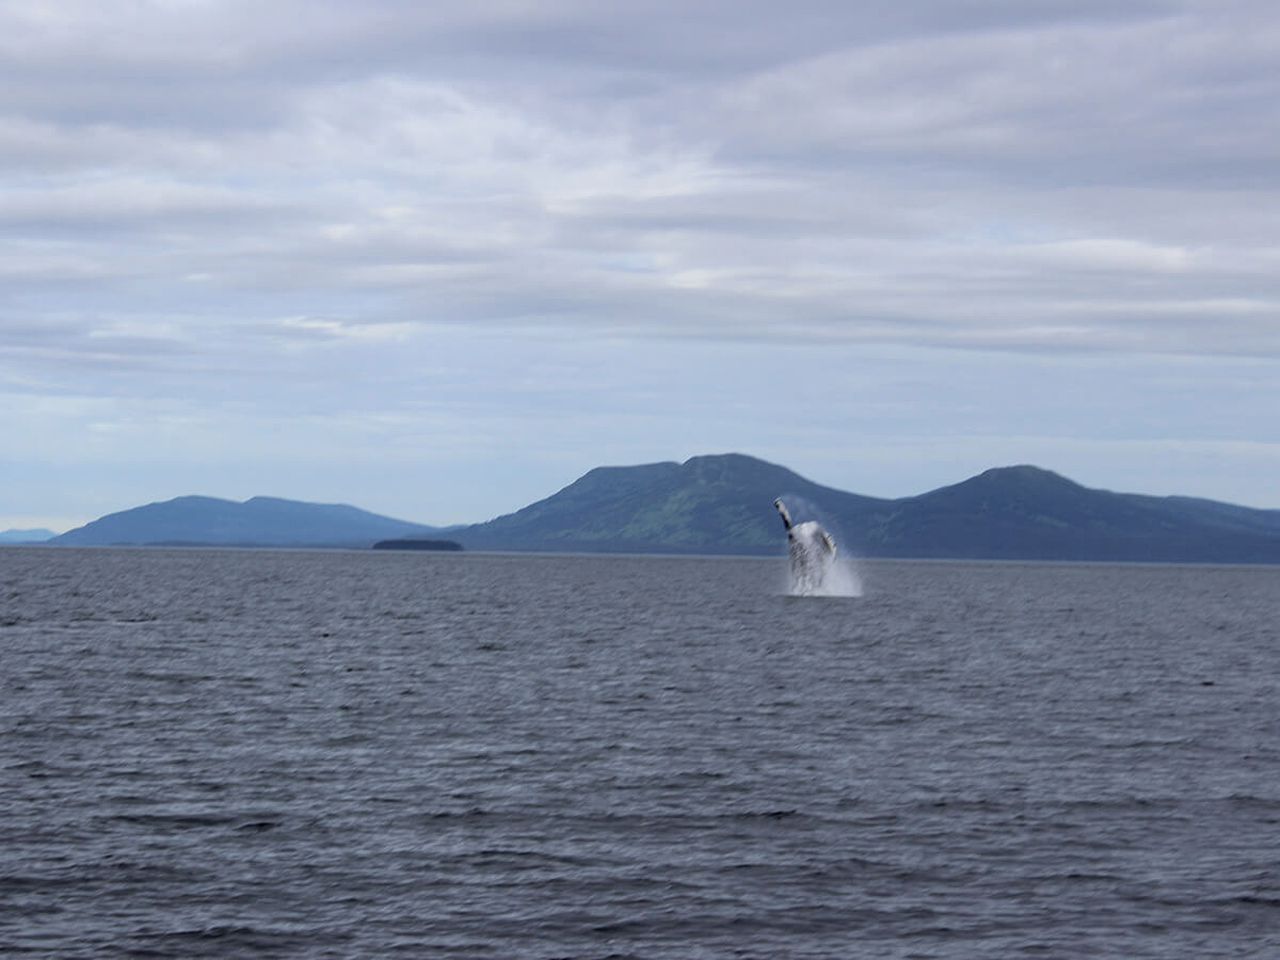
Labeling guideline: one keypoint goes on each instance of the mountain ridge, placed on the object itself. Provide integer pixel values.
(259, 521)
(708, 504)
(25, 536)
(722, 504)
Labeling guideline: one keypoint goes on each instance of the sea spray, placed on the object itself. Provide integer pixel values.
(820, 573)
(815, 569)
(839, 579)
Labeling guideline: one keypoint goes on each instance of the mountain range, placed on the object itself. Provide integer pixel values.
(723, 504)
(261, 521)
(38, 535)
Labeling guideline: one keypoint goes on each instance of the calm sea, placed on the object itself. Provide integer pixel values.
(337, 754)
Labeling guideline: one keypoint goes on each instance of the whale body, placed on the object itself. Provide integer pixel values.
(812, 553)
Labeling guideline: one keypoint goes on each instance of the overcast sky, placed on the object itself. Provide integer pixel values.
(437, 262)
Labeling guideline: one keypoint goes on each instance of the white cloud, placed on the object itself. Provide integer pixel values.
(1110, 254)
(553, 209)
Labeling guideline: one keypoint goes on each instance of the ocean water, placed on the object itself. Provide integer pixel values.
(213, 753)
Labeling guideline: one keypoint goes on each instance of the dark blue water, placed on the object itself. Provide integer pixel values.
(310, 754)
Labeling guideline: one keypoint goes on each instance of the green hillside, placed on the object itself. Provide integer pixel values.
(723, 504)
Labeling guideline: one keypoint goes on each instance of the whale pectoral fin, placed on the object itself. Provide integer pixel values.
(782, 510)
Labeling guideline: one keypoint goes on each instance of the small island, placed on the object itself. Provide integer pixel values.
(409, 543)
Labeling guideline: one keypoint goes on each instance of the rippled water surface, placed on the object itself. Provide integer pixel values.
(314, 754)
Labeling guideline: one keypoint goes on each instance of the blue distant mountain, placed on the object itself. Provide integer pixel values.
(38, 535)
(261, 521)
(723, 505)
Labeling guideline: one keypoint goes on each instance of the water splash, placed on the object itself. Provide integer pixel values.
(814, 566)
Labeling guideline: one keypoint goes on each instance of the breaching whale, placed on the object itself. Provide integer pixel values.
(812, 552)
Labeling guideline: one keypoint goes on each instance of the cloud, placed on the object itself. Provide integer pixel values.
(568, 213)
(859, 174)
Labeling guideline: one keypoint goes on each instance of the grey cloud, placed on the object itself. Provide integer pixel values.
(990, 174)
(1090, 104)
(132, 202)
(510, 240)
